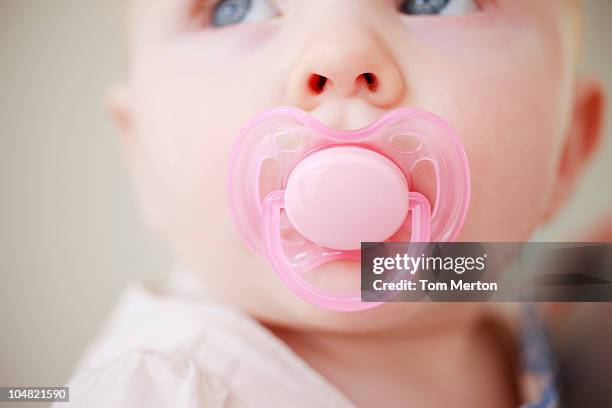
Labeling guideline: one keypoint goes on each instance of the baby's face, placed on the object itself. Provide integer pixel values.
(499, 72)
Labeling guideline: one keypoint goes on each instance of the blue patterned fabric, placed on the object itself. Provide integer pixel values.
(538, 382)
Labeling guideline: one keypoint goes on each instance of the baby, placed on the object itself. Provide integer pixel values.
(225, 331)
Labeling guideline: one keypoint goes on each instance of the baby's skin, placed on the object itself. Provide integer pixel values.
(502, 73)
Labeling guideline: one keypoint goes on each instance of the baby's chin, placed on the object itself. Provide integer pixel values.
(394, 317)
(344, 277)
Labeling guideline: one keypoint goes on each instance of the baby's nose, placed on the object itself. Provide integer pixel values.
(352, 63)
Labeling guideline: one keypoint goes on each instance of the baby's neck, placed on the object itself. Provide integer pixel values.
(470, 364)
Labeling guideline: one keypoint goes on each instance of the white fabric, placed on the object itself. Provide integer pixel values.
(175, 349)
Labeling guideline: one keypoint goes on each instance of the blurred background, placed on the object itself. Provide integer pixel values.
(71, 236)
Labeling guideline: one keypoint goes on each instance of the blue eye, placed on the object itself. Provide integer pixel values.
(229, 12)
(442, 7)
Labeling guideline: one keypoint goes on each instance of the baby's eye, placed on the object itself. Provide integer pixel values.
(442, 7)
(228, 12)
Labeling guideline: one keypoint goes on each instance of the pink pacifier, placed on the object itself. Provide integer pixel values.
(303, 194)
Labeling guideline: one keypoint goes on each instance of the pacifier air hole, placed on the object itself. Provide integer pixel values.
(270, 177)
(288, 140)
(405, 143)
(425, 180)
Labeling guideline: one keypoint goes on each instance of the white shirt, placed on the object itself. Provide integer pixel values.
(172, 348)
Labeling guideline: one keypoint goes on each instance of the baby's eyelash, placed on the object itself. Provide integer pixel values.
(201, 9)
(480, 4)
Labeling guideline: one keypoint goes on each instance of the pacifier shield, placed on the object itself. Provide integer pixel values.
(333, 189)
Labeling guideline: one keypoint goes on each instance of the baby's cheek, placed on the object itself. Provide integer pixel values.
(514, 145)
(186, 123)
(511, 122)
(182, 128)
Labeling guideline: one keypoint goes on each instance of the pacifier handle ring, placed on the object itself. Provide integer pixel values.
(272, 206)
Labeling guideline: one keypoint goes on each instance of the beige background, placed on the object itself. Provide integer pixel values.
(70, 234)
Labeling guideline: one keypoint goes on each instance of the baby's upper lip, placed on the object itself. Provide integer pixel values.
(345, 115)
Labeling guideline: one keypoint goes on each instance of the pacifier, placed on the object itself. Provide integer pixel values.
(302, 194)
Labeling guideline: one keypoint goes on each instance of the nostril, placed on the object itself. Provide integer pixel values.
(370, 79)
(317, 83)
